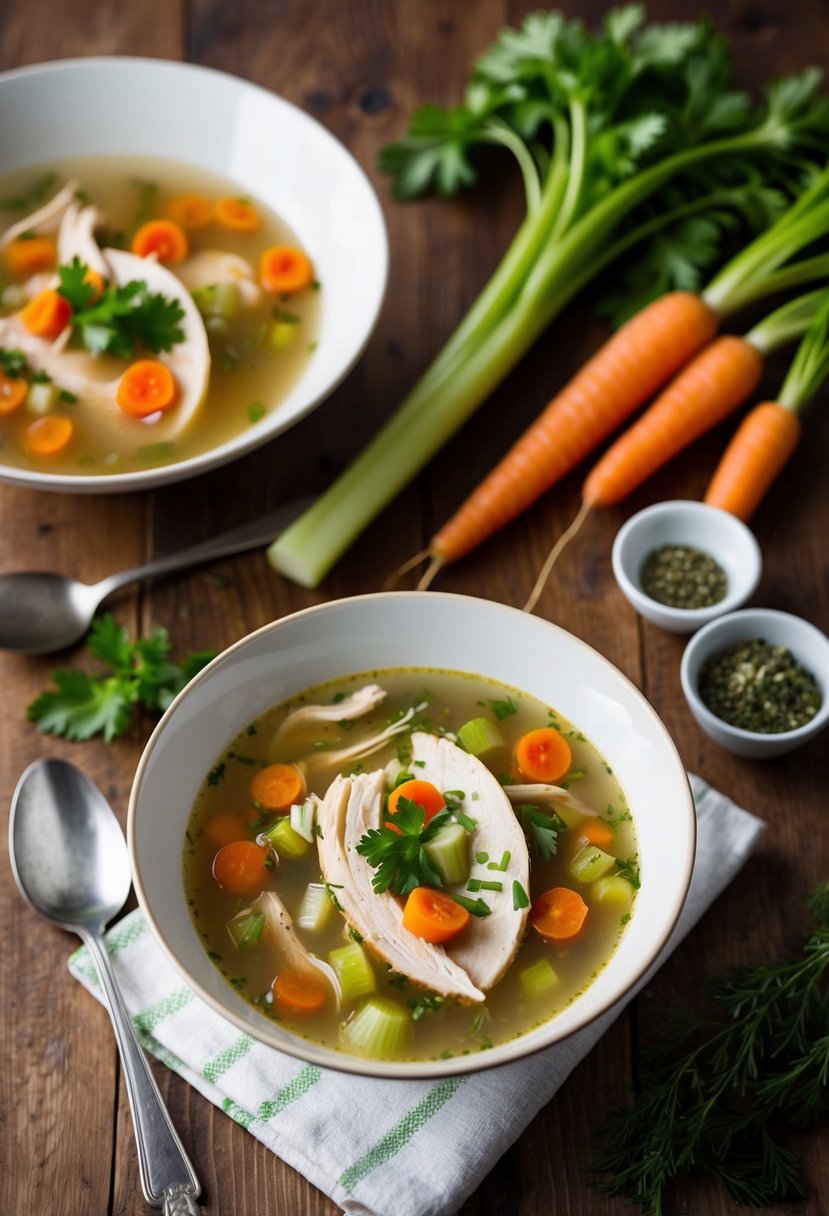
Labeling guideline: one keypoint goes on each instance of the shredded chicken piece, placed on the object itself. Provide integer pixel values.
(319, 762)
(547, 795)
(46, 219)
(212, 266)
(280, 937)
(360, 703)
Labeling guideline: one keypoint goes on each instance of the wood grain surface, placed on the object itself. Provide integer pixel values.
(359, 66)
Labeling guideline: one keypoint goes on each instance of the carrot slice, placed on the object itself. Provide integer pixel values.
(433, 916)
(284, 269)
(558, 914)
(95, 281)
(237, 214)
(543, 755)
(189, 211)
(25, 257)
(423, 793)
(47, 314)
(597, 832)
(146, 387)
(239, 867)
(164, 239)
(277, 787)
(13, 390)
(48, 436)
(224, 827)
(296, 991)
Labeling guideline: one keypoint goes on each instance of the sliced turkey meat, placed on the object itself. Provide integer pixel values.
(489, 944)
(297, 723)
(210, 267)
(46, 219)
(351, 807)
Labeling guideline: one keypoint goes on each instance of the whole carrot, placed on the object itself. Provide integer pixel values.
(761, 446)
(767, 437)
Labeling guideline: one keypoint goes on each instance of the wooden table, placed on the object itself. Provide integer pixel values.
(359, 67)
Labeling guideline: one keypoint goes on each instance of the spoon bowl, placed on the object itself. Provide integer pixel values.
(41, 611)
(70, 861)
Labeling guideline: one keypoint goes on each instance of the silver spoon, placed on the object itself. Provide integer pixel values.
(41, 611)
(70, 861)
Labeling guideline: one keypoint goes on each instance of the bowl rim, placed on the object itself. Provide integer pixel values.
(739, 733)
(251, 439)
(512, 1050)
(689, 507)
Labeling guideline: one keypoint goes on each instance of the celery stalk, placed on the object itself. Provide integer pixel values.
(591, 863)
(538, 979)
(380, 1028)
(449, 853)
(479, 736)
(285, 840)
(316, 909)
(354, 971)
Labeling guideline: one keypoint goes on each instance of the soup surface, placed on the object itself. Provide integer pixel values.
(228, 304)
(554, 924)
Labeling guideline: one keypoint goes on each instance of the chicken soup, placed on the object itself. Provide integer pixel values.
(411, 864)
(148, 313)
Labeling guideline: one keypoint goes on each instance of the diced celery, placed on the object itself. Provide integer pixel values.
(303, 816)
(285, 840)
(14, 296)
(538, 979)
(217, 300)
(613, 890)
(480, 736)
(591, 863)
(354, 971)
(246, 929)
(380, 1028)
(316, 909)
(282, 335)
(448, 852)
(41, 397)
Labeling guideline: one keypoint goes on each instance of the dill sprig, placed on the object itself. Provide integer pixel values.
(716, 1092)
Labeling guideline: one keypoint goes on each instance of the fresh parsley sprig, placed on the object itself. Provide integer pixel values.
(120, 317)
(543, 828)
(137, 673)
(715, 1094)
(397, 852)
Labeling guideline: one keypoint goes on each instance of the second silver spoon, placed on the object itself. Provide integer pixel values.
(42, 611)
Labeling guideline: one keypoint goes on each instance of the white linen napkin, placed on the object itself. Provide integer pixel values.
(361, 1140)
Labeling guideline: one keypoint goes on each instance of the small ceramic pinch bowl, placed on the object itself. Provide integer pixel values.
(699, 526)
(808, 645)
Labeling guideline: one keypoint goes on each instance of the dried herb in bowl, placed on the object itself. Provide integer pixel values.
(756, 686)
(681, 576)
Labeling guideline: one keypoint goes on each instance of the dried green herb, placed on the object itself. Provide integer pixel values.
(683, 577)
(759, 687)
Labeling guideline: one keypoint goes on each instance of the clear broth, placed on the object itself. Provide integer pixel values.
(452, 1029)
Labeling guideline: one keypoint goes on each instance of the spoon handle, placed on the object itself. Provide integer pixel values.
(256, 532)
(167, 1177)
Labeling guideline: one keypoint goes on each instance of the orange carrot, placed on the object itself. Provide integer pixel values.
(597, 832)
(224, 827)
(239, 867)
(163, 239)
(433, 916)
(761, 446)
(421, 792)
(277, 787)
(296, 991)
(25, 257)
(96, 281)
(189, 211)
(703, 394)
(284, 270)
(237, 214)
(543, 755)
(47, 314)
(146, 387)
(620, 377)
(13, 390)
(49, 435)
(558, 914)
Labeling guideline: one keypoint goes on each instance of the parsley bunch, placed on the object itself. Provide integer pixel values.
(121, 316)
(137, 673)
(714, 1096)
(398, 855)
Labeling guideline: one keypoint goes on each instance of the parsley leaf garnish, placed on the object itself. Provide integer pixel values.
(121, 316)
(137, 673)
(12, 362)
(398, 855)
(504, 709)
(543, 828)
